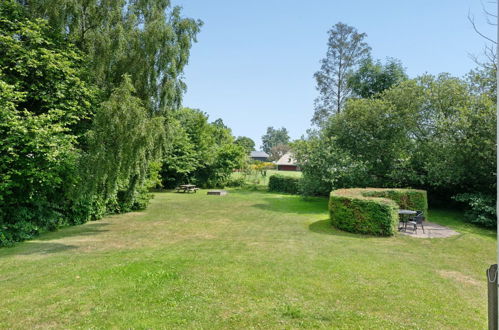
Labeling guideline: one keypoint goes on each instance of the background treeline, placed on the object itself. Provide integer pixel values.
(90, 93)
(432, 132)
(200, 152)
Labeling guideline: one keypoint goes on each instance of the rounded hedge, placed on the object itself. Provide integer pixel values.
(373, 210)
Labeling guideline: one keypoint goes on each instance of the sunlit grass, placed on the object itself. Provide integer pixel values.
(245, 260)
(258, 179)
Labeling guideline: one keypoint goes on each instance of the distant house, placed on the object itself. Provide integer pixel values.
(287, 163)
(259, 155)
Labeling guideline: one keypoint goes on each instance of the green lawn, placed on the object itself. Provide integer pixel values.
(256, 178)
(246, 260)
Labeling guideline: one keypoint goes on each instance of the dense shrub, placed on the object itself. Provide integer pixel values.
(43, 107)
(479, 208)
(371, 210)
(284, 184)
(410, 199)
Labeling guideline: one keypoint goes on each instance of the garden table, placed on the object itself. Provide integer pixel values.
(405, 216)
(407, 212)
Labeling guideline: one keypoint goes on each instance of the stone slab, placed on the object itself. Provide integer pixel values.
(431, 230)
(217, 192)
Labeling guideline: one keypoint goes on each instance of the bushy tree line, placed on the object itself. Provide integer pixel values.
(431, 132)
(201, 152)
(87, 93)
(377, 128)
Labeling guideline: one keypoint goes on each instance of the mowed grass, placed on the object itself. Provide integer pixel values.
(245, 260)
(256, 178)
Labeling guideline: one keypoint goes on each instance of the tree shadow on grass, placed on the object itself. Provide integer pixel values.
(30, 248)
(324, 227)
(88, 229)
(41, 245)
(35, 248)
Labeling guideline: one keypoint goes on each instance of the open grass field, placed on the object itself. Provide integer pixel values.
(245, 260)
(256, 178)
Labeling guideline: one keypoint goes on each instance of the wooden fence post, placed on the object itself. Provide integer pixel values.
(492, 286)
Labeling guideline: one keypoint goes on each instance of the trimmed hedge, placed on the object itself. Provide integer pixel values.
(371, 210)
(284, 184)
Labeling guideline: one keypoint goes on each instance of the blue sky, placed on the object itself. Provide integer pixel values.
(254, 61)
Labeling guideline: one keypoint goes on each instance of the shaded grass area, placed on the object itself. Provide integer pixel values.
(246, 260)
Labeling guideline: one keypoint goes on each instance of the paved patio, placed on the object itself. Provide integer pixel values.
(431, 230)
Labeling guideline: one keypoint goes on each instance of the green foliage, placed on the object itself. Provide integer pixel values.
(274, 137)
(371, 78)
(325, 166)
(371, 210)
(480, 208)
(202, 153)
(147, 39)
(44, 105)
(284, 184)
(228, 157)
(181, 157)
(44, 68)
(432, 132)
(236, 182)
(375, 131)
(122, 143)
(483, 79)
(79, 137)
(409, 199)
(245, 142)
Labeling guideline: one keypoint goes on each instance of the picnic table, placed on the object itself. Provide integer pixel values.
(187, 188)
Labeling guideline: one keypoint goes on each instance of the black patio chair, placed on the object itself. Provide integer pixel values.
(417, 220)
(402, 223)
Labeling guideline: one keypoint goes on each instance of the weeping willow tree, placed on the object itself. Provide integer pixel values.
(123, 144)
(146, 39)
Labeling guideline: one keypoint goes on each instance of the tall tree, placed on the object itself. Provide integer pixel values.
(373, 77)
(122, 144)
(245, 142)
(346, 49)
(274, 137)
(44, 103)
(147, 39)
